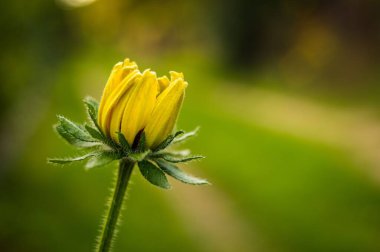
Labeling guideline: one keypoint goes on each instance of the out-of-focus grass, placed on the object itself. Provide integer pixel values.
(298, 195)
(301, 196)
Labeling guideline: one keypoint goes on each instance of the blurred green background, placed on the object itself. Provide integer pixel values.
(286, 93)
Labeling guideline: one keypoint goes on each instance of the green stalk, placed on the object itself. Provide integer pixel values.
(109, 226)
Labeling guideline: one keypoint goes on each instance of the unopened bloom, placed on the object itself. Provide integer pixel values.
(132, 124)
(133, 102)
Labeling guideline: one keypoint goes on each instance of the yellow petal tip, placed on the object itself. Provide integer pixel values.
(176, 75)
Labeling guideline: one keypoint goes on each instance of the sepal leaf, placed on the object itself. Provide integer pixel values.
(180, 153)
(102, 158)
(153, 174)
(68, 160)
(74, 129)
(178, 174)
(167, 141)
(94, 132)
(174, 159)
(138, 156)
(92, 109)
(71, 139)
(186, 136)
(141, 145)
(124, 143)
(175, 156)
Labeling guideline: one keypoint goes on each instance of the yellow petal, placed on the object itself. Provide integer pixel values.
(163, 83)
(112, 101)
(139, 106)
(109, 85)
(118, 112)
(175, 75)
(165, 113)
(119, 72)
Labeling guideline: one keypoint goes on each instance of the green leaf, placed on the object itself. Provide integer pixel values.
(102, 158)
(68, 160)
(94, 132)
(92, 109)
(186, 136)
(124, 143)
(174, 159)
(176, 173)
(73, 140)
(153, 174)
(167, 141)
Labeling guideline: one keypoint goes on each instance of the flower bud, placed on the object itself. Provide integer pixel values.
(133, 101)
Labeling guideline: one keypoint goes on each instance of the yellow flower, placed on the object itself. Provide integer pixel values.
(133, 101)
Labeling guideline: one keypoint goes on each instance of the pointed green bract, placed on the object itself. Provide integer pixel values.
(71, 139)
(186, 136)
(94, 132)
(178, 174)
(178, 154)
(102, 158)
(138, 156)
(153, 174)
(92, 108)
(68, 160)
(141, 146)
(75, 129)
(124, 143)
(167, 141)
(175, 156)
(174, 159)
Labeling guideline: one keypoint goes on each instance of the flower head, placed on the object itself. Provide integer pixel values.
(133, 123)
(133, 102)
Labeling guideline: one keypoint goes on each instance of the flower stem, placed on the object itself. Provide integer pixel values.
(108, 230)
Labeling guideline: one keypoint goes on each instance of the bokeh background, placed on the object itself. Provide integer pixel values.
(286, 93)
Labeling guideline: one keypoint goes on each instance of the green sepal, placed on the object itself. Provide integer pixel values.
(68, 160)
(180, 175)
(177, 159)
(167, 141)
(141, 145)
(180, 153)
(71, 139)
(138, 156)
(124, 143)
(74, 129)
(186, 136)
(92, 109)
(153, 174)
(94, 132)
(102, 158)
(174, 155)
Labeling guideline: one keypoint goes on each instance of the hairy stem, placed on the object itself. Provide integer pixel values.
(109, 226)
